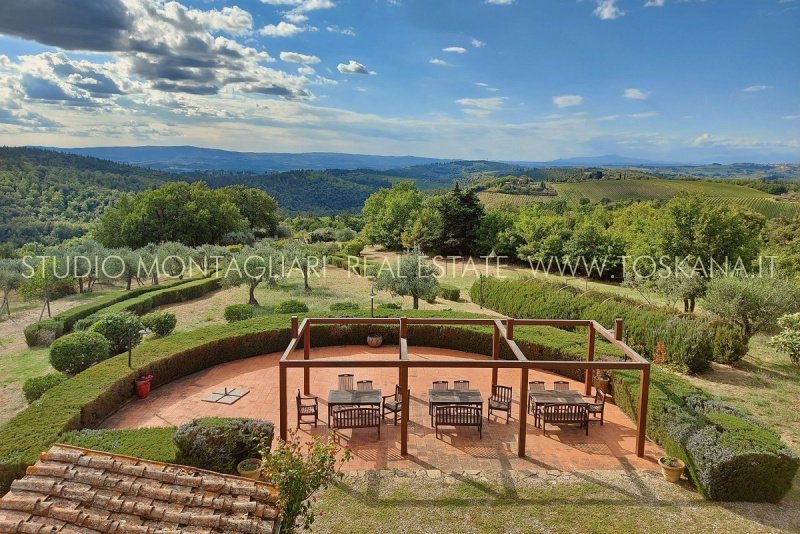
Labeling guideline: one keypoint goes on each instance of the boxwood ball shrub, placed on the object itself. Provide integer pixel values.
(389, 306)
(162, 323)
(35, 387)
(449, 292)
(343, 306)
(84, 324)
(291, 306)
(239, 312)
(218, 444)
(43, 333)
(120, 329)
(78, 351)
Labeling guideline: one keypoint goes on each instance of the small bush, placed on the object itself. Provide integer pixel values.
(120, 329)
(43, 333)
(354, 247)
(339, 306)
(448, 292)
(291, 306)
(162, 323)
(35, 387)
(239, 312)
(344, 234)
(84, 324)
(78, 351)
(324, 235)
(218, 444)
(238, 238)
(389, 306)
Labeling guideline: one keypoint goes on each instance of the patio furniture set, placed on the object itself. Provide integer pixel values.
(365, 407)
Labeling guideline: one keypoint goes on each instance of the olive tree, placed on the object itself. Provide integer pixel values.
(251, 267)
(413, 276)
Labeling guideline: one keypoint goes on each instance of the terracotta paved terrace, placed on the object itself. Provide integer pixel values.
(567, 448)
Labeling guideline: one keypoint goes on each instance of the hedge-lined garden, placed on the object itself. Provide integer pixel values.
(730, 455)
(689, 342)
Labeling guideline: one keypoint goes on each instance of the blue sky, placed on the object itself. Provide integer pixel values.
(669, 80)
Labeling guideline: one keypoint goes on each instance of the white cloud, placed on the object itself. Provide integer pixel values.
(791, 117)
(608, 118)
(437, 61)
(282, 29)
(644, 115)
(499, 2)
(455, 49)
(305, 70)
(481, 107)
(654, 3)
(296, 18)
(343, 31)
(477, 43)
(565, 101)
(703, 139)
(353, 67)
(608, 10)
(635, 94)
(234, 20)
(297, 57)
(756, 88)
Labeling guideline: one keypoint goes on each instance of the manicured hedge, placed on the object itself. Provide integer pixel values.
(220, 443)
(729, 455)
(148, 443)
(35, 386)
(449, 292)
(239, 312)
(67, 319)
(690, 341)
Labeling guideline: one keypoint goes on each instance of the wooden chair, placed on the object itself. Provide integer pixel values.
(458, 415)
(534, 385)
(307, 407)
(364, 385)
(598, 406)
(394, 403)
(500, 400)
(564, 414)
(461, 384)
(346, 382)
(357, 417)
(441, 384)
(560, 385)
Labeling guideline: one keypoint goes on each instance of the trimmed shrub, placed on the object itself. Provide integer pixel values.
(449, 292)
(354, 247)
(43, 333)
(291, 306)
(162, 323)
(34, 387)
(190, 290)
(84, 324)
(78, 351)
(149, 443)
(218, 444)
(388, 306)
(342, 306)
(729, 455)
(691, 342)
(239, 312)
(121, 329)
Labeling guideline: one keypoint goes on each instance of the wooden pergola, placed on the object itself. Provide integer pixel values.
(503, 331)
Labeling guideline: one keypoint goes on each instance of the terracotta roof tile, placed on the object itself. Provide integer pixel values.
(79, 490)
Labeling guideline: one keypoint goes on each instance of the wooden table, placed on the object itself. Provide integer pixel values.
(466, 397)
(555, 397)
(353, 397)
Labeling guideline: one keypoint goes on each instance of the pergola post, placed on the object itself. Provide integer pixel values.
(283, 404)
(495, 352)
(589, 358)
(641, 420)
(306, 356)
(294, 326)
(404, 413)
(523, 413)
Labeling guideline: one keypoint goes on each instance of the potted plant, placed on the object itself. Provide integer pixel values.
(249, 468)
(374, 340)
(143, 386)
(602, 381)
(671, 468)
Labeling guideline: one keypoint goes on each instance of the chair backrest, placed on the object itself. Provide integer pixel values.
(346, 381)
(397, 396)
(461, 384)
(599, 397)
(364, 385)
(456, 414)
(299, 399)
(536, 385)
(501, 393)
(561, 385)
(441, 384)
(564, 413)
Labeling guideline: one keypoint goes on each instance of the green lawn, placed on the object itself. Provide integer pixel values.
(15, 368)
(585, 504)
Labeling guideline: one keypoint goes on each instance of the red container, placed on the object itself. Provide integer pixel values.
(143, 387)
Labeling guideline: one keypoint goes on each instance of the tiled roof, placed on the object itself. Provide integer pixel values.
(72, 490)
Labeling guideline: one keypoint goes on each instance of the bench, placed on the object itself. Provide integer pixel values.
(358, 417)
(458, 415)
(564, 414)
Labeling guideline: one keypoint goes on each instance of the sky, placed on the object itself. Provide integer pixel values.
(520, 80)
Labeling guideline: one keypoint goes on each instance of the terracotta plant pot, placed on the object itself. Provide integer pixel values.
(249, 468)
(671, 472)
(374, 340)
(601, 383)
(143, 386)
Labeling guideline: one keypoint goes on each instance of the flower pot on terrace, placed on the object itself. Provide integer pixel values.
(143, 386)
(602, 383)
(249, 468)
(374, 340)
(671, 468)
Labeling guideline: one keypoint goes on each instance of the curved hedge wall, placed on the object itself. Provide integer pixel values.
(691, 342)
(88, 398)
